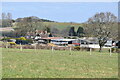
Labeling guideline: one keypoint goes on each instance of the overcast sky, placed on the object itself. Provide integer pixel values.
(59, 11)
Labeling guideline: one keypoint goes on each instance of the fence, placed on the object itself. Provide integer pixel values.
(70, 48)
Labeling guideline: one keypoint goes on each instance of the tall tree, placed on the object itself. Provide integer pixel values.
(72, 32)
(101, 26)
(3, 16)
(6, 20)
(47, 28)
(80, 32)
(9, 16)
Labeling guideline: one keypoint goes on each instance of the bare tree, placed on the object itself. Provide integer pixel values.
(55, 31)
(27, 25)
(103, 26)
(9, 16)
(6, 20)
(3, 16)
(65, 32)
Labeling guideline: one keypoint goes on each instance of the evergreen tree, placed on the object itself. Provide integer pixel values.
(80, 32)
(72, 32)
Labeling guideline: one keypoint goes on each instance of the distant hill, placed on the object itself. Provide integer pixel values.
(49, 23)
(32, 19)
(42, 23)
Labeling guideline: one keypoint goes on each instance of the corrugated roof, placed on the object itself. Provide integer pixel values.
(53, 38)
(64, 39)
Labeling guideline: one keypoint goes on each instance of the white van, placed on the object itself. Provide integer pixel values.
(109, 43)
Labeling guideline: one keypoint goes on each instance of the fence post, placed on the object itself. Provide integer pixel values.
(90, 51)
(110, 51)
(6, 44)
(52, 48)
(70, 49)
(35, 47)
(20, 47)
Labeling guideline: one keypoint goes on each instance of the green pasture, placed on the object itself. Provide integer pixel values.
(31, 63)
(62, 26)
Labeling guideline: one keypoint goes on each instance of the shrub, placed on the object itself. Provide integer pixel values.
(69, 37)
(21, 41)
(86, 49)
(22, 38)
(112, 50)
(74, 37)
(29, 40)
(77, 48)
(118, 50)
(12, 43)
(28, 47)
(7, 38)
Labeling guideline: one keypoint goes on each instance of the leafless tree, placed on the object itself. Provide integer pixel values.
(6, 20)
(103, 26)
(9, 16)
(27, 25)
(65, 32)
(55, 31)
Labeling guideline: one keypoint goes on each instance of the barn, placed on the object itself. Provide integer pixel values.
(65, 42)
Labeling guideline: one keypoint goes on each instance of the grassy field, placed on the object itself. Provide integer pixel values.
(58, 64)
(61, 26)
(58, 25)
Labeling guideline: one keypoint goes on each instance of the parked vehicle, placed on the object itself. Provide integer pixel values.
(118, 44)
(110, 43)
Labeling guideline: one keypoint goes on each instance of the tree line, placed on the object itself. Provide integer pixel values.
(103, 25)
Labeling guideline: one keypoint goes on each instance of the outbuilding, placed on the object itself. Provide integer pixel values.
(65, 42)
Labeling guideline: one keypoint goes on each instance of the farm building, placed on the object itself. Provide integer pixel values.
(37, 34)
(46, 40)
(65, 42)
(74, 42)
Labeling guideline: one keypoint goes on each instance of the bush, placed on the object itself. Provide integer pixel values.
(86, 49)
(29, 40)
(77, 48)
(115, 50)
(74, 37)
(6, 39)
(21, 42)
(28, 47)
(22, 38)
(12, 43)
(69, 37)
(118, 50)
